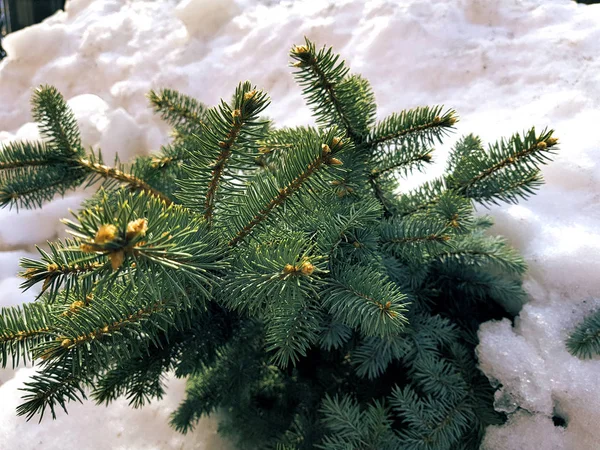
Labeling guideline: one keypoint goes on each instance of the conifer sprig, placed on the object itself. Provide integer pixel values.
(224, 148)
(183, 112)
(34, 172)
(584, 341)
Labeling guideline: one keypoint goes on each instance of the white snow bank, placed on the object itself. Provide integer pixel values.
(503, 65)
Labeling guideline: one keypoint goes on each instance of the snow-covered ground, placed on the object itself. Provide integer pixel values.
(503, 65)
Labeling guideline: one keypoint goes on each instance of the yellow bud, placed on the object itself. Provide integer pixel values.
(76, 305)
(87, 248)
(289, 269)
(336, 142)
(236, 113)
(454, 223)
(116, 259)
(66, 343)
(541, 145)
(300, 49)
(52, 267)
(437, 119)
(357, 244)
(137, 228)
(326, 149)
(249, 95)
(106, 233)
(307, 268)
(452, 120)
(335, 162)
(29, 273)
(551, 141)
(264, 150)
(105, 329)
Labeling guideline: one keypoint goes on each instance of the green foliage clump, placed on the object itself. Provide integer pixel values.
(278, 269)
(584, 341)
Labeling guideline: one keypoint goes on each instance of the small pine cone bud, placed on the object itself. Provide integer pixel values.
(222, 144)
(76, 305)
(335, 162)
(357, 244)
(116, 259)
(437, 119)
(300, 49)
(454, 223)
(307, 268)
(106, 233)
(249, 95)
(427, 157)
(551, 141)
(29, 273)
(336, 142)
(105, 329)
(326, 149)
(66, 343)
(289, 269)
(236, 113)
(87, 248)
(137, 228)
(452, 120)
(299, 64)
(541, 145)
(264, 150)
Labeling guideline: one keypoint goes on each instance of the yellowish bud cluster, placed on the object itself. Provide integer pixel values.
(249, 95)
(66, 343)
(76, 305)
(551, 141)
(300, 49)
(305, 268)
(336, 143)
(106, 233)
(541, 145)
(116, 259)
(137, 228)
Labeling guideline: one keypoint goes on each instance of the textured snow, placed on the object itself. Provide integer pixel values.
(503, 65)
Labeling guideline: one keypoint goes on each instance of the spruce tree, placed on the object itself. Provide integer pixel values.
(279, 270)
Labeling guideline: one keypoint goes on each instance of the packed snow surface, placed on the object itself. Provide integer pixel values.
(503, 65)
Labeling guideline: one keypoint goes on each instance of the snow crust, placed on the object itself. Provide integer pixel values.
(504, 66)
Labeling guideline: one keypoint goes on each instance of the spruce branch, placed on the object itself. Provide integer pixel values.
(507, 171)
(584, 341)
(302, 166)
(56, 121)
(428, 125)
(112, 173)
(179, 110)
(336, 99)
(363, 299)
(21, 330)
(224, 147)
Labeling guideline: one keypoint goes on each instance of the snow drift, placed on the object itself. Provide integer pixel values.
(504, 66)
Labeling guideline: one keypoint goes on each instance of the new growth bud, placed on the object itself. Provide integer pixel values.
(137, 228)
(105, 234)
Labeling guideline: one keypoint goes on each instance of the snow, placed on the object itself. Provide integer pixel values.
(504, 66)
